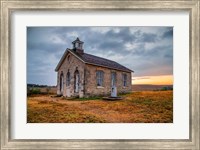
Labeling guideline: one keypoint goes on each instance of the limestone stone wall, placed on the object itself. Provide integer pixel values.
(88, 81)
(72, 64)
(91, 87)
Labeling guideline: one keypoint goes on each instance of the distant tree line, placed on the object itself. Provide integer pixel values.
(165, 88)
(39, 89)
(38, 85)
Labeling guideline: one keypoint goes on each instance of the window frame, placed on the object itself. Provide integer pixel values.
(124, 79)
(68, 79)
(99, 78)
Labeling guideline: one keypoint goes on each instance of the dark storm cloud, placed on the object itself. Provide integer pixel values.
(123, 35)
(168, 34)
(146, 50)
(148, 37)
(116, 41)
(110, 45)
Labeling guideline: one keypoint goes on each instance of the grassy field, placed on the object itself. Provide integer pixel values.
(136, 107)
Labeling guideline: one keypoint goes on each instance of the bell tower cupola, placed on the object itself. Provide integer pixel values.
(78, 46)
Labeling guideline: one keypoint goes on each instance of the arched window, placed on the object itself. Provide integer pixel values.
(68, 78)
(61, 82)
(76, 81)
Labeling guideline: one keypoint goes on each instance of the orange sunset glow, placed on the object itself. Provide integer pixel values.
(155, 80)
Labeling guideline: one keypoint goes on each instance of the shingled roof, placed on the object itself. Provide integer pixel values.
(94, 60)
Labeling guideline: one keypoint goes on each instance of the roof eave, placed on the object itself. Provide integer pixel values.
(76, 56)
(63, 58)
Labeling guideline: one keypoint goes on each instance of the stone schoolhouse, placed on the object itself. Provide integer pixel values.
(81, 74)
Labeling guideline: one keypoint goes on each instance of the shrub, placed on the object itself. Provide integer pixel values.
(166, 88)
(31, 91)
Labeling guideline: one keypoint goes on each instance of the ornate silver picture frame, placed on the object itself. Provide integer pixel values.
(8, 7)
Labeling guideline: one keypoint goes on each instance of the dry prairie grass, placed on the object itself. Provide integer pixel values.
(136, 107)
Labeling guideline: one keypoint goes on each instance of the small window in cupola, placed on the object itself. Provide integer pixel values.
(77, 45)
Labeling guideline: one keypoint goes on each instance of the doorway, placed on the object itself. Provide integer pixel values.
(113, 79)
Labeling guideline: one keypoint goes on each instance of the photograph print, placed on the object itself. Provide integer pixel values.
(99, 74)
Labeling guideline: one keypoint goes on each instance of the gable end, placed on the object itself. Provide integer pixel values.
(63, 58)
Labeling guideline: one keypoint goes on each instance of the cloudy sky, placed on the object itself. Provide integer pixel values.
(146, 50)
